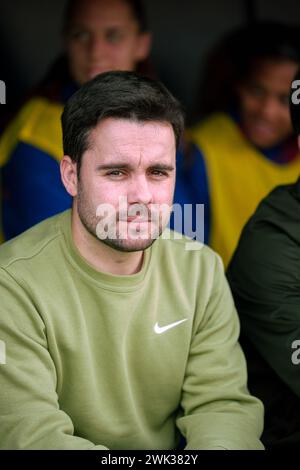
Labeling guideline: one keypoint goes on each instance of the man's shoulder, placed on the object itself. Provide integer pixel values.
(185, 251)
(32, 244)
(216, 132)
(37, 123)
(211, 124)
(43, 128)
(191, 268)
(35, 110)
(279, 211)
(268, 253)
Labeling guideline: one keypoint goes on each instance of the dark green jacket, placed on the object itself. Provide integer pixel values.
(264, 275)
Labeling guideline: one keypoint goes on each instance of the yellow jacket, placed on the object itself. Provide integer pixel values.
(239, 177)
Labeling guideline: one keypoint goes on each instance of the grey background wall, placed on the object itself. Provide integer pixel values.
(183, 33)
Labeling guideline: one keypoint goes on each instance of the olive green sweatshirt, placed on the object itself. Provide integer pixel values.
(97, 361)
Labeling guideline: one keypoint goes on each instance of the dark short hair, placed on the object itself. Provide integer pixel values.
(137, 7)
(266, 40)
(234, 59)
(294, 105)
(121, 95)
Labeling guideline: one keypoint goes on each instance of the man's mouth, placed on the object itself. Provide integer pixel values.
(260, 129)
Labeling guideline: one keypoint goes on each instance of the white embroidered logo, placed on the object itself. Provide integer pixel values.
(161, 329)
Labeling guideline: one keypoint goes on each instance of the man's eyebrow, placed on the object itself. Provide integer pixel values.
(114, 165)
(162, 166)
(127, 166)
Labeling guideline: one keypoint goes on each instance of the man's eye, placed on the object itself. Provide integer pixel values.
(115, 173)
(80, 35)
(256, 91)
(159, 173)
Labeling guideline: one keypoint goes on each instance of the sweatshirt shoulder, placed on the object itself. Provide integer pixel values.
(32, 243)
(188, 251)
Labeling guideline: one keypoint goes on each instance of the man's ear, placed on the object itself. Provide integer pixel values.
(68, 172)
(143, 47)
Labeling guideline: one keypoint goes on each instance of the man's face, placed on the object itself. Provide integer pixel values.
(103, 35)
(264, 103)
(134, 163)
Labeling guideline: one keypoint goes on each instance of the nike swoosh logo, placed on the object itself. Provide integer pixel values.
(161, 329)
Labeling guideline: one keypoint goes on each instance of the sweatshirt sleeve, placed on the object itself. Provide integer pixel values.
(217, 410)
(30, 414)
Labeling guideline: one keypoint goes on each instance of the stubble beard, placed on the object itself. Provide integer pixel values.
(89, 220)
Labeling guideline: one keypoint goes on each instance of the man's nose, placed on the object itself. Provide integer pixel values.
(269, 107)
(139, 191)
(98, 48)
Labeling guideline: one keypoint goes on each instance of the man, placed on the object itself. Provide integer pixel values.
(240, 153)
(115, 340)
(99, 35)
(264, 277)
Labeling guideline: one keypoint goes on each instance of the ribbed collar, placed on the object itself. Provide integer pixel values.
(108, 281)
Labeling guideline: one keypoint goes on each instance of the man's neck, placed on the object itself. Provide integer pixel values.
(101, 256)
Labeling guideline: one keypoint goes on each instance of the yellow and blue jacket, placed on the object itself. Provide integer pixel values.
(230, 177)
(30, 152)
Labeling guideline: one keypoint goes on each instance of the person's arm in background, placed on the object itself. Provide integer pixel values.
(264, 276)
(32, 189)
(218, 411)
(30, 413)
(192, 184)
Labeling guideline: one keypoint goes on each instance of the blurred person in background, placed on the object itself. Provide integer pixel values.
(99, 36)
(245, 146)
